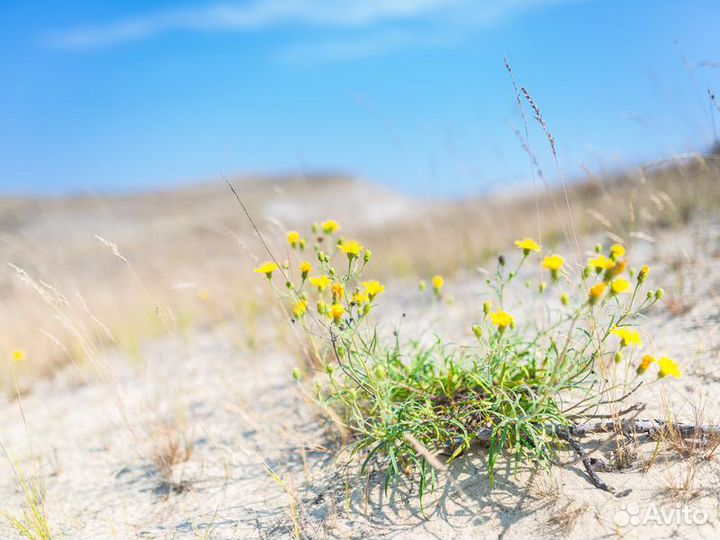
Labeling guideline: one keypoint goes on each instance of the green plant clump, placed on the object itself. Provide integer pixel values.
(517, 387)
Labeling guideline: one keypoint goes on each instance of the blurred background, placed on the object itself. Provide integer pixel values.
(454, 121)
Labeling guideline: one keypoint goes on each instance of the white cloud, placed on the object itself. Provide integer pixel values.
(363, 46)
(326, 14)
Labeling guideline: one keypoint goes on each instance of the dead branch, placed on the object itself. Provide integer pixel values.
(626, 427)
(651, 428)
(594, 477)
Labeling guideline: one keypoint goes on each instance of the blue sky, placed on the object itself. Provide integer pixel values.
(114, 96)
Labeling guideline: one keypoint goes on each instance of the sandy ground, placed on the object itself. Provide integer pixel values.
(91, 437)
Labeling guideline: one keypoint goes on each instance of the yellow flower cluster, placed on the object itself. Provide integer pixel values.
(336, 293)
(611, 268)
(343, 297)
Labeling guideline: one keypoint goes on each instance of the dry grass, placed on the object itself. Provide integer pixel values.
(546, 486)
(565, 519)
(700, 446)
(170, 443)
(681, 483)
(627, 208)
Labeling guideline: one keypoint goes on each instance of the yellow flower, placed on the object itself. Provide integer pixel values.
(351, 248)
(619, 285)
(553, 262)
(669, 367)
(267, 268)
(330, 226)
(628, 337)
(359, 298)
(300, 308)
(646, 362)
(338, 291)
(17, 355)
(601, 262)
(596, 291)
(336, 312)
(373, 288)
(501, 319)
(528, 245)
(203, 295)
(617, 251)
(438, 282)
(305, 269)
(619, 268)
(293, 238)
(321, 282)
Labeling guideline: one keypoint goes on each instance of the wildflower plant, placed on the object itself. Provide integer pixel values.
(518, 387)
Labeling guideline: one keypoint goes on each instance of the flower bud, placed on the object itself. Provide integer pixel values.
(565, 299)
(542, 287)
(367, 256)
(501, 260)
(618, 357)
(487, 306)
(477, 331)
(643, 274)
(422, 285)
(659, 294)
(296, 374)
(330, 369)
